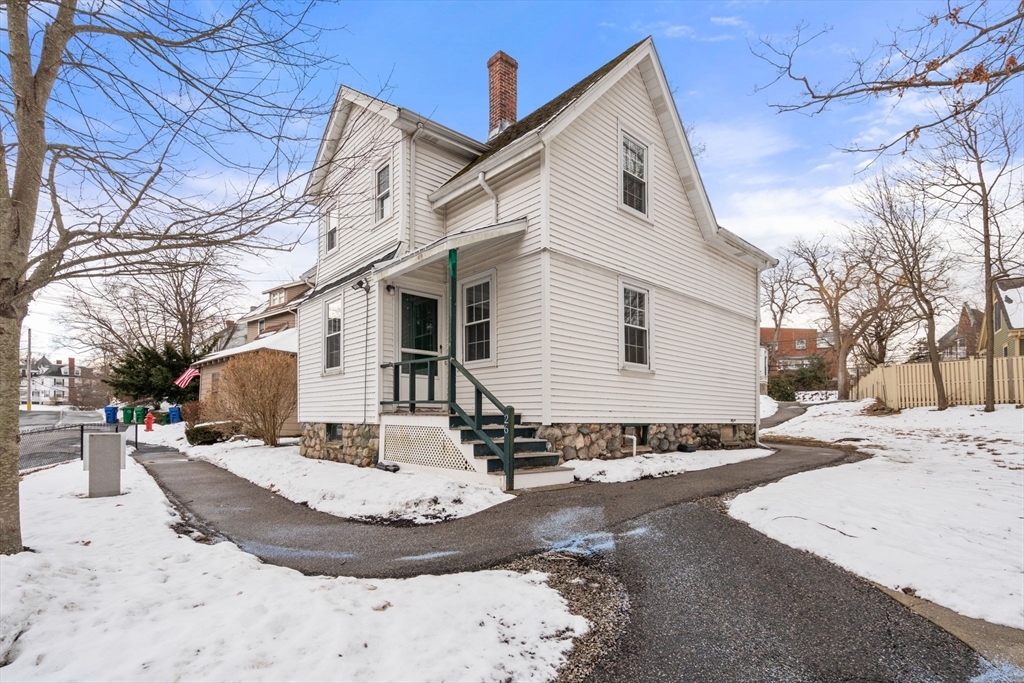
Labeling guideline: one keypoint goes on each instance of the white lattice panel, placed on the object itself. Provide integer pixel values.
(423, 445)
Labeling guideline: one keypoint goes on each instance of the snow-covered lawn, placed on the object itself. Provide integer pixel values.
(939, 509)
(659, 464)
(112, 593)
(336, 488)
(769, 406)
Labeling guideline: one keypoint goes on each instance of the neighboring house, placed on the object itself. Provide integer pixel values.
(278, 311)
(1008, 318)
(212, 366)
(52, 383)
(961, 341)
(230, 336)
(572, 264)
(796, 348)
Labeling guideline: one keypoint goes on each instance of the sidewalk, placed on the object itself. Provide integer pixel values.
(281, 532)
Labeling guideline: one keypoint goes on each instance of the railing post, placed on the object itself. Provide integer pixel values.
(81, 442)
(412, 387)
(478, 409)
(396, 389)
(431, 371)
(453, 284)
(510, 419)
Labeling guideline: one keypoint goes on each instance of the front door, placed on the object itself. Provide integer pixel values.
(420, 327)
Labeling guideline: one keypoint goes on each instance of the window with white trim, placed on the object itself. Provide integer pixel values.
(332, 334)
(382, 192)
(261, 325)
(634, 174)
(801, 344)
(332, 230)
(635, 326)
(476, 321)
(277, 298)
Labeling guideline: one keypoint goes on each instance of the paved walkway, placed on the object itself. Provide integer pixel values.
(286, 533)
(787, 411)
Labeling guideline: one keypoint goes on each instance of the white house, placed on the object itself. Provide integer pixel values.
(572, 265)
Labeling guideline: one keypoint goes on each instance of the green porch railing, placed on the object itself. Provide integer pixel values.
(475, 421)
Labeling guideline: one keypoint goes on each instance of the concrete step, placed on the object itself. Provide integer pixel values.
(536, 477)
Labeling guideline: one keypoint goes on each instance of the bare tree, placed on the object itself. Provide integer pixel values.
(780, 294)
(259, 391)
(132, 130)
(973, 168)
(836, 279)
(902, 222)
(183, 307)
(968, 54)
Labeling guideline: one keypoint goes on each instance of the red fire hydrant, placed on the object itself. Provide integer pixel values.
(149, 421)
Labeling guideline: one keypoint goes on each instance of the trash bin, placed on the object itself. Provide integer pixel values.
(110, 414)
(126, 414)
(165, 418)
(140, 414)
(174, 414)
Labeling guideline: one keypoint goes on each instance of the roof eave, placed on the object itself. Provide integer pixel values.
(518, 151)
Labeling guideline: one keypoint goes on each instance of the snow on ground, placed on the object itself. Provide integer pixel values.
(769, 406)
(336, 488)
(112, 593)
(659, 464)
(816, 396)
(939, 509)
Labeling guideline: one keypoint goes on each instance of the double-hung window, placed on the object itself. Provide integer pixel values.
(332, 335)
(636, 317)
(634, 174)
(332, 230)
(477, 321)
(382, 192)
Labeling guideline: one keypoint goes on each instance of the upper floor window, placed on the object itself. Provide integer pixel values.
(635, 326)
(331, 236)
(332, 335)
(634, 174)
(477, 328)
(382, 193)
(801, 344)
(277, 298)
(261, 325)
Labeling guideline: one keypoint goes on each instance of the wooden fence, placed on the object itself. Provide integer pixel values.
(912, 386)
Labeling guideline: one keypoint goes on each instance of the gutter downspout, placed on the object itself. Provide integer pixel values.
(412, 187)
(757, 360)
(494, 197)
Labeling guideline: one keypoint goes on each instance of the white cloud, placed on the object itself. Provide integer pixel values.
(737, 145)
(729, 21)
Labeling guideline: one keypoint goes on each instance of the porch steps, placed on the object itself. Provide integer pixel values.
(530, 454)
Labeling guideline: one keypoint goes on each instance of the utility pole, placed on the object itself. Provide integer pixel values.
(28, 374)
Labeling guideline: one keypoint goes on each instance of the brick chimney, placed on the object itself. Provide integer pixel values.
(502, 71)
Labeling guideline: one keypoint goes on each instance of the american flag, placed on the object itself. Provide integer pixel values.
(186, 377)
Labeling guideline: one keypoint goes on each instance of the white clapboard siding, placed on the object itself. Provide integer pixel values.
(705, 336)
(704, 357)
(434, 167)
(587, 221)
(519, 195)
(338, 397)
(368, 142)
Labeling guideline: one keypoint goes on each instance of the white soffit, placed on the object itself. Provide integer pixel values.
(469, 241)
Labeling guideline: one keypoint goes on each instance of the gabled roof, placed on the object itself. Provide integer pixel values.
(544, 114)
(285, 340)
(1011, 298)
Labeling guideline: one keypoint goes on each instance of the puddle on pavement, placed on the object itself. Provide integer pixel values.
(428, 556)
(277, 551)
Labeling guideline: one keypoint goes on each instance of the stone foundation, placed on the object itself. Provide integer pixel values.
(358, 445)
(588, 441)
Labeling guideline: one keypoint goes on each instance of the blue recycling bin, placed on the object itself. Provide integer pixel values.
(110, 414)
(174, 413)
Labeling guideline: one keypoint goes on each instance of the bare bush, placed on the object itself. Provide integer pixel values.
(258, 390)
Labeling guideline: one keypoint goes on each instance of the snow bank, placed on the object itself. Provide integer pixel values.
(336, 488)
(939, 509)
(113, 594)
(816, 396)
(769, 406)
(659, 465)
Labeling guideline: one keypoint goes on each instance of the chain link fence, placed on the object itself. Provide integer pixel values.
(44, 446)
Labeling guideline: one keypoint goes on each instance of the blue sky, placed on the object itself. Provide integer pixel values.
(770, 177)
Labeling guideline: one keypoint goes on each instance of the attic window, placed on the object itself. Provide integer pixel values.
(634, 175)
(277, 298)
(382, 193)
(801, 344)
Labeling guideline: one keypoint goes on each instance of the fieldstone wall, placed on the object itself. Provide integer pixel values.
(358, 445)
(589, 441)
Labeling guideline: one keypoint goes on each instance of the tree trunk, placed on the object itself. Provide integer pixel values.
(10, 397)
(842, 374)
(933, 356)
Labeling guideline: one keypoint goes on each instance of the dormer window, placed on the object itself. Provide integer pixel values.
(277, 298)
(382, 192)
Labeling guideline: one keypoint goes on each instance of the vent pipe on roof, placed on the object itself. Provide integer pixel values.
(502, 71)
